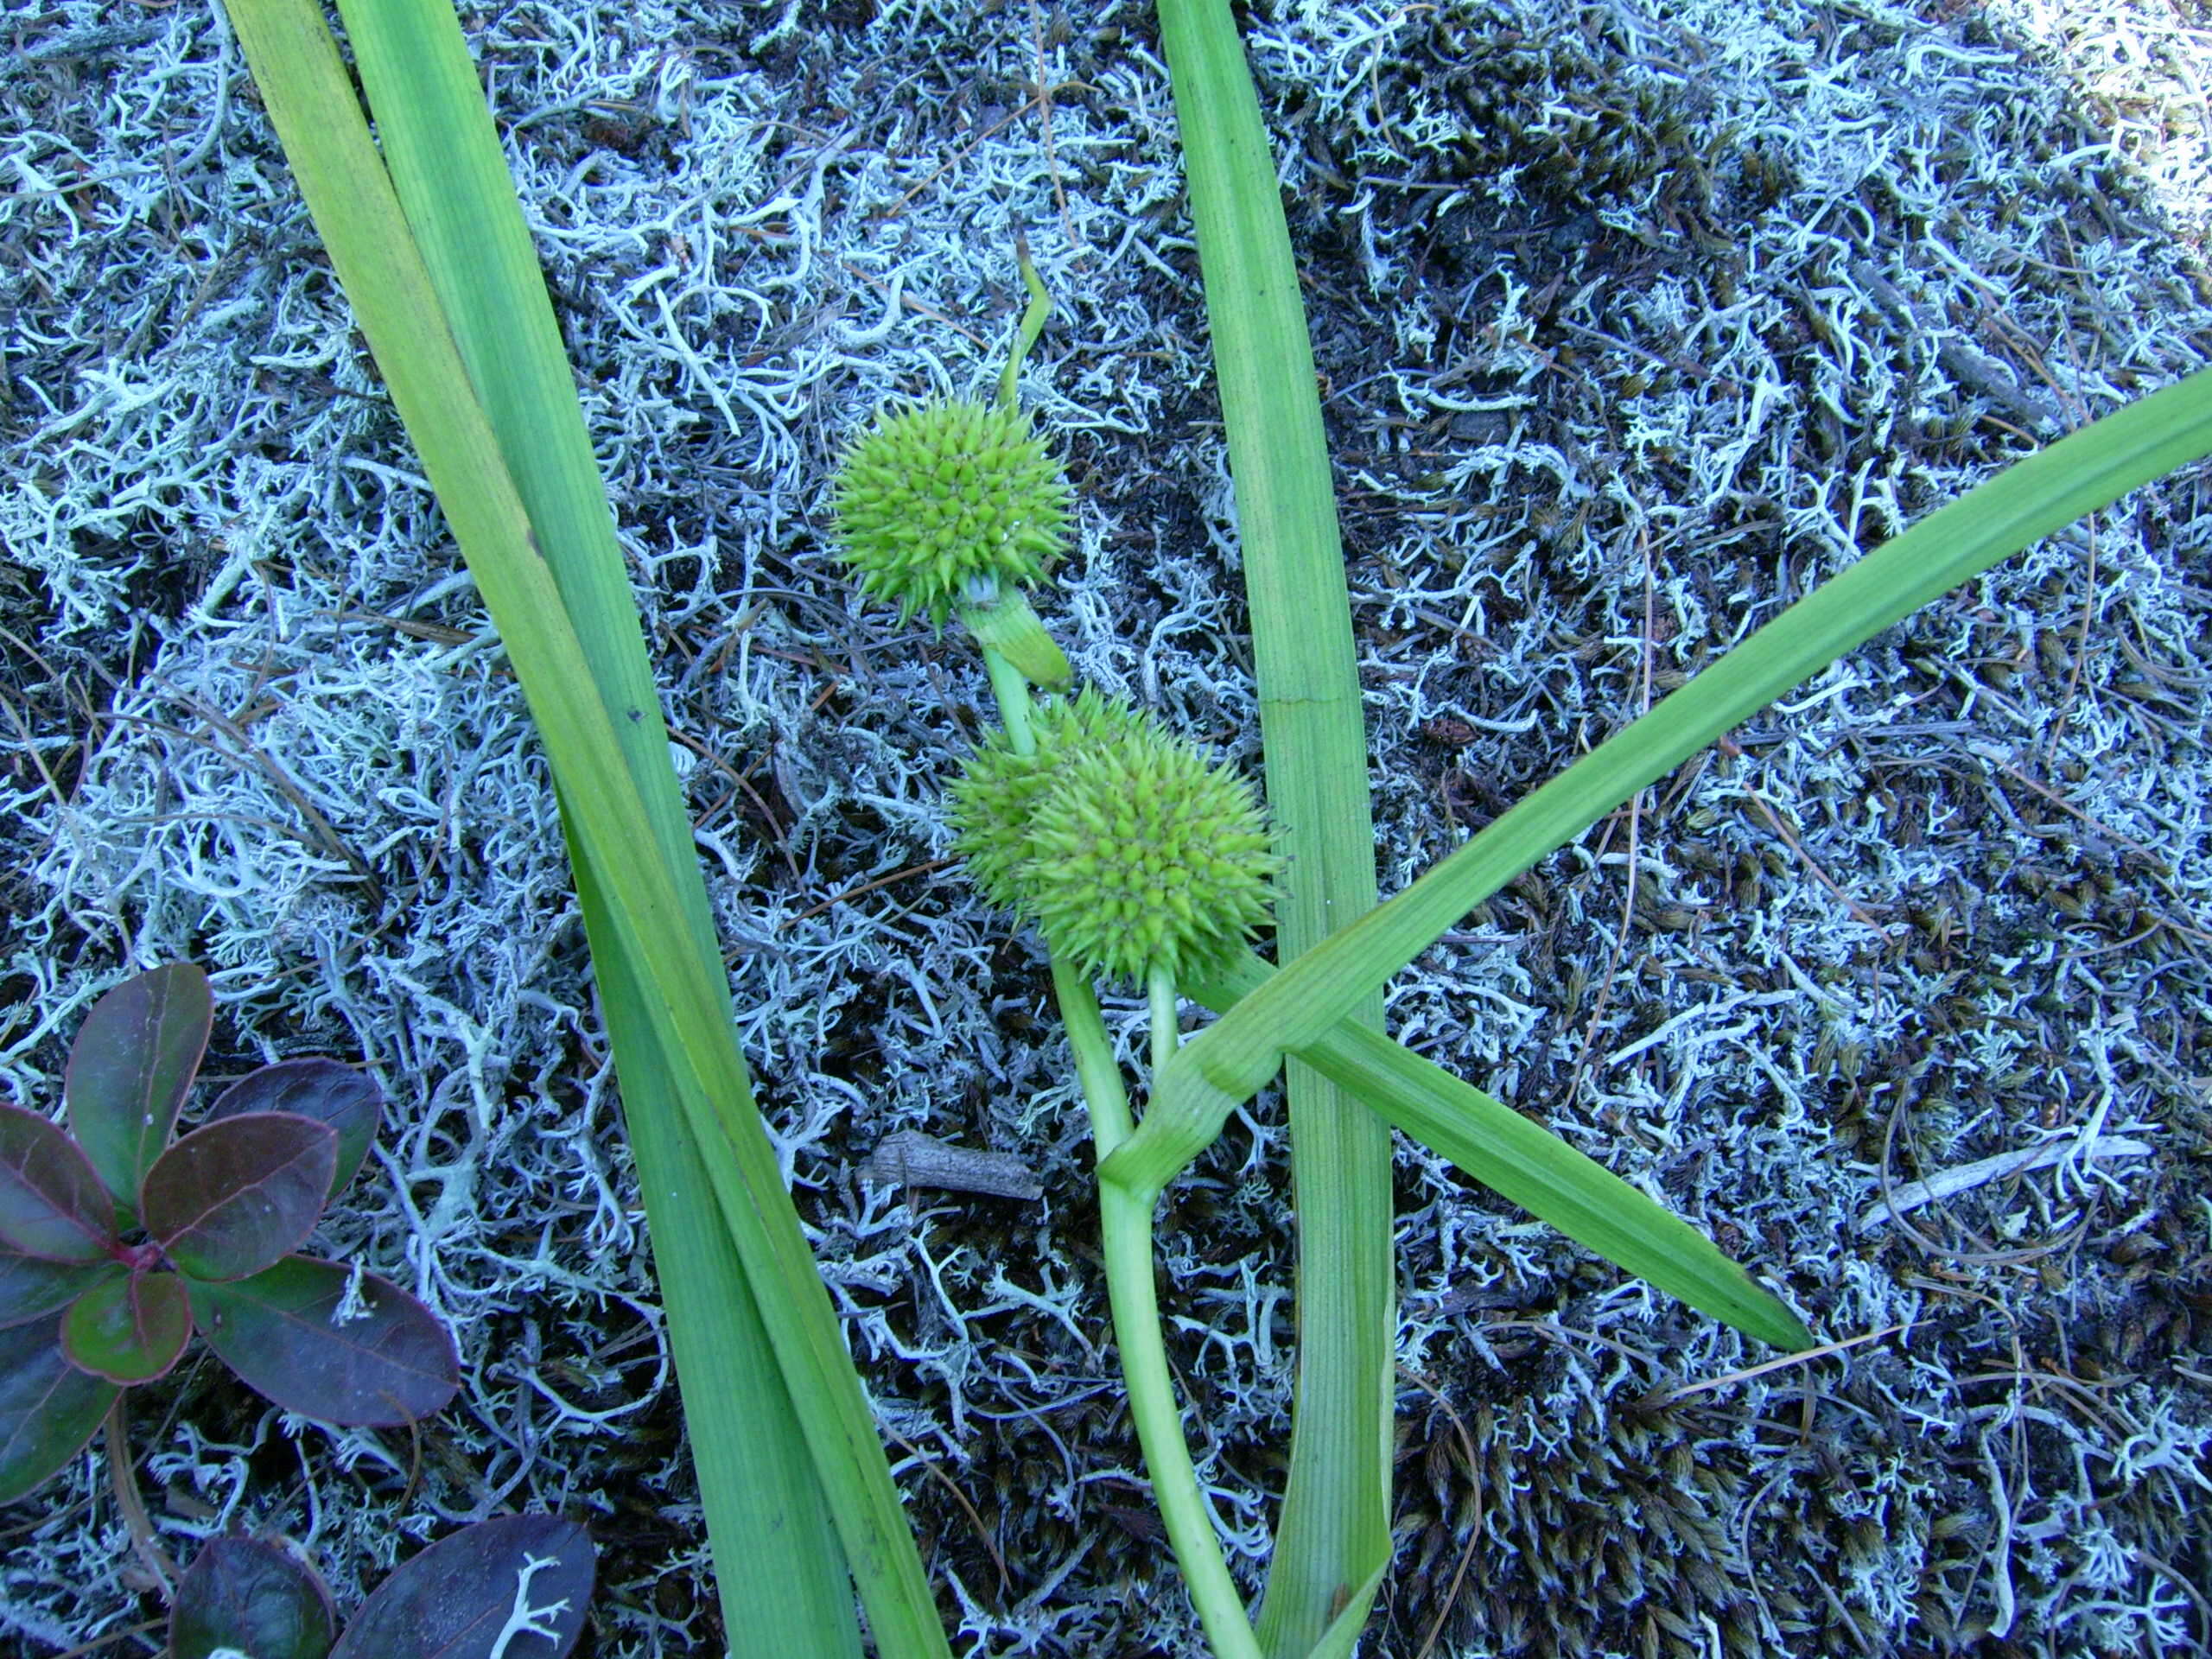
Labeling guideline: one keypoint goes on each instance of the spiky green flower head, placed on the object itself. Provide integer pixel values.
(998, 789)
(1118, 839)
(949, 502)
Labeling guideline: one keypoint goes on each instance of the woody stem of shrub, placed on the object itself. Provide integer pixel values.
(133, 1508)
(1125, 1223)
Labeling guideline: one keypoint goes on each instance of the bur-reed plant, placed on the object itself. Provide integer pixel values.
(1137, 861)
(797, 1490)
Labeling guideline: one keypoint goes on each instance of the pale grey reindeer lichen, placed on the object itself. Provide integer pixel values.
(205, 505)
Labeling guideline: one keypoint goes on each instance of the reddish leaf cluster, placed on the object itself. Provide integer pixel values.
(116, 1243)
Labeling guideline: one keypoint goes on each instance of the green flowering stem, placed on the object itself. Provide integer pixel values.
(1134, 857)
(1160, 991)
(1125, 1222)
(1104, 1095)
(1011, 688)
(1125, 1226)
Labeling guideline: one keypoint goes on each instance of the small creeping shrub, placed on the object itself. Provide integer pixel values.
(116, 1245)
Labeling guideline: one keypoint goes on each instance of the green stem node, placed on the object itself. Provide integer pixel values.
(1005, 625)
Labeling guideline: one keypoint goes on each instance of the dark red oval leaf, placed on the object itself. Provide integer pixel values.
(30, 1287)
(128, 1329)
(389, 1364)
(52, 1203)
(49, 1408)
(135, 1058)
(459, 1596)
(347, 1100)
(253, 1598)
(235, 1196)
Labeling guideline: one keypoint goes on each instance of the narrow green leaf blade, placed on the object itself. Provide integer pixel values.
(1526, 1163)
(756, 1474)
(1333, 1536)
(373, 250)
(2081, 474)
(782, 1575)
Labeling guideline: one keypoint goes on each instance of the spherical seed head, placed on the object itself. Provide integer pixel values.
(1120, 842)
(1144, 856)
(947, 494)
(998, 791)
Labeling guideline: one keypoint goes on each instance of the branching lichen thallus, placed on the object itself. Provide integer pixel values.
(1134, 857)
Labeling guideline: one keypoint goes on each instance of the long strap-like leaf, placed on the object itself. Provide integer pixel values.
(1333, 1536)
(778, 1565)
(1526, 1163)
(2081, 473)
(639, 891)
